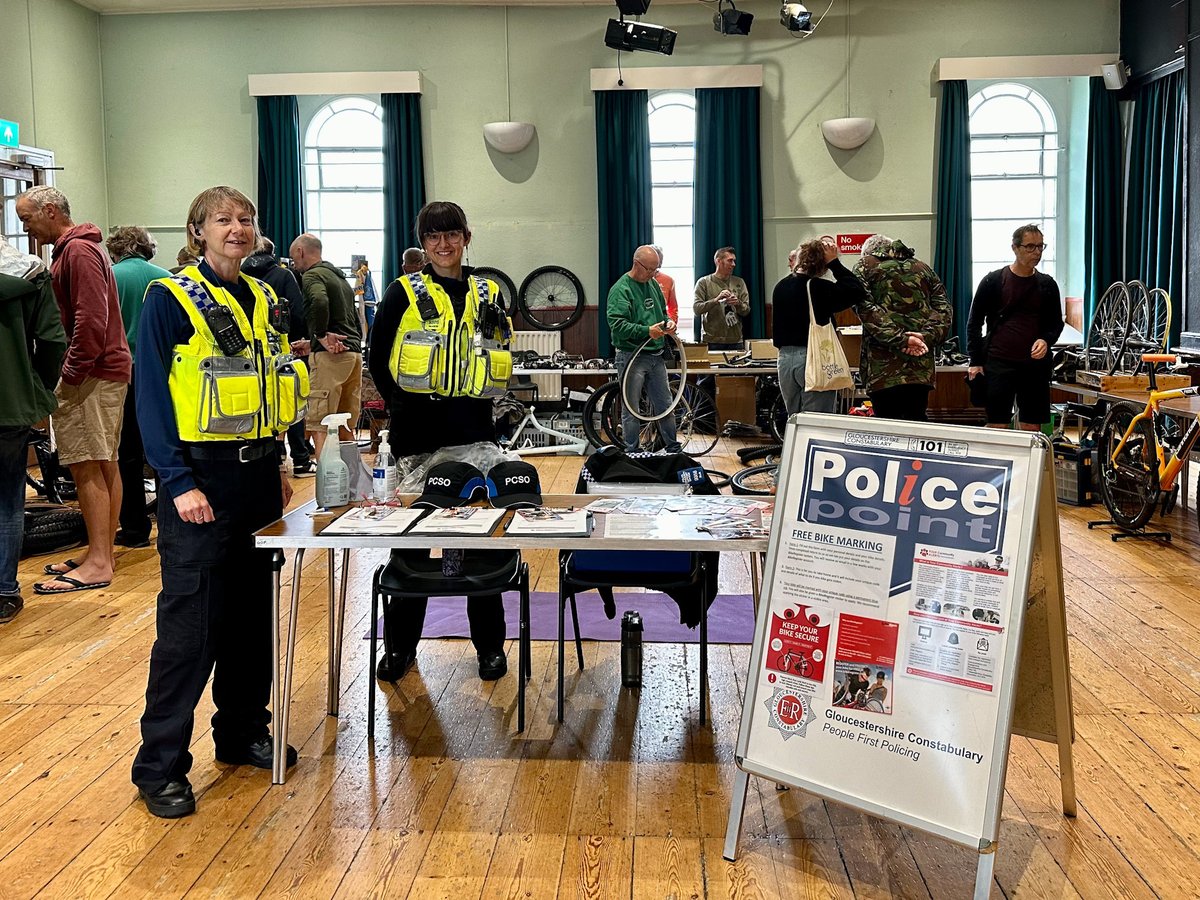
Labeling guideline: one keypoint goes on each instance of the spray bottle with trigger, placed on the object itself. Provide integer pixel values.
(333, 475)
(383, 476)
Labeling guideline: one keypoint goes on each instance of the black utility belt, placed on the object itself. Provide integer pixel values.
(233, 451)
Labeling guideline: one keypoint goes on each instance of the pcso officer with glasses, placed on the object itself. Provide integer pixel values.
(1023, 312)
(438, 357)
(216, 385)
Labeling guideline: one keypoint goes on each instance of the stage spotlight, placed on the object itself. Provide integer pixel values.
(633, 7)
(795, 17)
(730, 21)
(639, 36)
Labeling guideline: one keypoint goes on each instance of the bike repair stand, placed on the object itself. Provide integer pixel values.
(1140, 534)
(570, 443)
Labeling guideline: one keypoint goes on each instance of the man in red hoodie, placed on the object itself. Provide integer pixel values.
(95, 377)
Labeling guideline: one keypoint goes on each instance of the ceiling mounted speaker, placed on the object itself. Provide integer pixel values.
(1114, 74)
(508, 137)
(848, 133)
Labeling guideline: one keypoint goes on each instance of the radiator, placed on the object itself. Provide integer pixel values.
(545, 343)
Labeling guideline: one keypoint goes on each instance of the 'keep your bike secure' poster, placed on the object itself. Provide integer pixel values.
(889, 620)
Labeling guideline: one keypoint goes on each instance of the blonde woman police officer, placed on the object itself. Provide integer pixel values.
(215, 385)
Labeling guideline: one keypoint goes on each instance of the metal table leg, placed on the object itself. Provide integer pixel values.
(283, 701)
(337, 614)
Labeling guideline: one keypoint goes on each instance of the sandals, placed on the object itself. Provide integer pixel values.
(71, 565)
(76, 585)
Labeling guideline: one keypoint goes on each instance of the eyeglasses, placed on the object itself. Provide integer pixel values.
(653, 271)
(450, 237)
(1032, 246)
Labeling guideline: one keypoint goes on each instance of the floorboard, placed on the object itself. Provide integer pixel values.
(627, 798)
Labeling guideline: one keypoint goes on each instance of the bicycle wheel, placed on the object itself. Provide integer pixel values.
(777, 416)
(696, 415)
(1160, 319)
(551, 298)
(1141, 326)
(593, 416)
(507, 288)
(1129, 483)
(755, 481)
(1109, 329)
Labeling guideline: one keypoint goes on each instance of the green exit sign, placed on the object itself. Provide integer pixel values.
(10, 133)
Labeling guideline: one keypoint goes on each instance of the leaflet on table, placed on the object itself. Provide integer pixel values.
(890, 587)
(726, 527)
(374, 520)
(459, 520)
(547, 521)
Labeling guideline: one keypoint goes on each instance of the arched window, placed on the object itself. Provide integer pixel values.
(672, 180)
(343, 180)
(1014, 173)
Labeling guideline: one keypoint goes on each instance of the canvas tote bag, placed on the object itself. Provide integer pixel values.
(825, 366)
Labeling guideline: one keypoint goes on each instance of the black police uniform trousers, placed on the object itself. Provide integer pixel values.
(214, 612)
(405, 619)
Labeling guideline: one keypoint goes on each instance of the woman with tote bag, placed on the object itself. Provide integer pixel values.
(801, 291)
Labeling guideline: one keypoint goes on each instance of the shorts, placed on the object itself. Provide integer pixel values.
(1026, 382)
(87, 423)
(335, 387)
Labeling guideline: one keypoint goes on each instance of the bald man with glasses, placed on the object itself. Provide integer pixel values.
(638, 322)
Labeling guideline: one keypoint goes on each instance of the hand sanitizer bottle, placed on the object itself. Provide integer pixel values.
(383, 476)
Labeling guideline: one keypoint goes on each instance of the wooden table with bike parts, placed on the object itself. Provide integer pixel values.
(300, 530)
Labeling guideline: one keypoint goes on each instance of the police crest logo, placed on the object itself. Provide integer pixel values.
(790, 712)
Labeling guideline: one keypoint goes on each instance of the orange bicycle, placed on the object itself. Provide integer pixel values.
(1141, 452)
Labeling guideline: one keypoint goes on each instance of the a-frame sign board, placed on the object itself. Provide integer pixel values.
(912, 571)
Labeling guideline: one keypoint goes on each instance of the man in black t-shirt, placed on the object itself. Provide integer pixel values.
(1023, 312)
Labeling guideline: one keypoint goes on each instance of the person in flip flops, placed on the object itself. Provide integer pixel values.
(222, 480)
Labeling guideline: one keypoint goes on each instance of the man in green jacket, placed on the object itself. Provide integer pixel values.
(637, 316)
(336, 358)
(32, 346)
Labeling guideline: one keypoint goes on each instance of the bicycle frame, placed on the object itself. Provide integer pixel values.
(1169, 464)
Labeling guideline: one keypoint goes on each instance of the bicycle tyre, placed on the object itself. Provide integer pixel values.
(593, 416)
(551, 298)
(718, 479)
(777, 416)
(507, 287)
(749, 454)
(755, 481)
(1129, 484)
(697, 421)
(48, 532)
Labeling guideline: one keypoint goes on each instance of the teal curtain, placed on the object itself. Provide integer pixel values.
(403, 178)
(1102, 218)
(952, 239)
(1154, 210)
(280, 186)
(625, 216)
(728, 208)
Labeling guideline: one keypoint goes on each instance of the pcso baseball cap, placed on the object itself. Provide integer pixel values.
(450, 484)
(512, 484)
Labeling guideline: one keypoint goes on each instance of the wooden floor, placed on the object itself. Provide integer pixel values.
(628, 798)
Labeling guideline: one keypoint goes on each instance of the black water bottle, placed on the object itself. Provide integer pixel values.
(631, 649)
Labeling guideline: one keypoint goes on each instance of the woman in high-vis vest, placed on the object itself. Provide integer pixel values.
(216, 384)
(437, 360)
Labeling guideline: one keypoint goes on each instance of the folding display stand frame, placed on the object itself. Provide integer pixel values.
(1037, 704)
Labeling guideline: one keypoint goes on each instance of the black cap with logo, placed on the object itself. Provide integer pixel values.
(450, 484)
(513, 484)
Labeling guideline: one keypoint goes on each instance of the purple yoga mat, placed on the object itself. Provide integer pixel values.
(730, 618)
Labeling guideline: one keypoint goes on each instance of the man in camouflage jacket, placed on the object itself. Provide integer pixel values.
(905, 318)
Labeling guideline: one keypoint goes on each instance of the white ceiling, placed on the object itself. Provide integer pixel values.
(114, 7)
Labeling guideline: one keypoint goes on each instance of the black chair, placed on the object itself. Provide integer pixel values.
(587, 570)
(411, 574)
